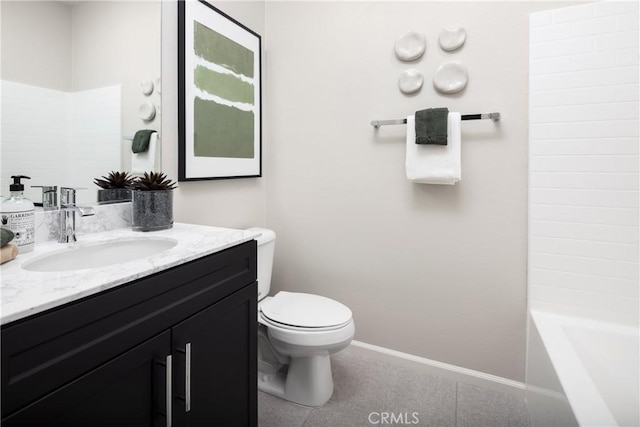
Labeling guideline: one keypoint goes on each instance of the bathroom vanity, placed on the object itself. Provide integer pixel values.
(169, 339)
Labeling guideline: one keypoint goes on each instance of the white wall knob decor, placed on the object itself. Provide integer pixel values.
(450, 77)
(452, 38)
(410, 81)
(147, 111)
(147, 87)
(158, 85)
(410, 46)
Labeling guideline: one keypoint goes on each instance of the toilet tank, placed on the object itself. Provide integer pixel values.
(266, 247)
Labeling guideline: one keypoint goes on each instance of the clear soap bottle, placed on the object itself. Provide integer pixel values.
(17, 213)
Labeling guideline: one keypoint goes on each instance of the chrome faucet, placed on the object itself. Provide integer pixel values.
(49, 196)
(68, 209)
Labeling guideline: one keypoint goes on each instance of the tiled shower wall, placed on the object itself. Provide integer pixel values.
(59, 138)
(96, 136)
(35, 133)
(583, 152)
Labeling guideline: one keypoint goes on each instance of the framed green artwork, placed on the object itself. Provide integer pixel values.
(219, 95)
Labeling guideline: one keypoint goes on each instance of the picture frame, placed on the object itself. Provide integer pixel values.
(219, 95)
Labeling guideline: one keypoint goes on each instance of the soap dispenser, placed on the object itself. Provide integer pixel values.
(17, 213)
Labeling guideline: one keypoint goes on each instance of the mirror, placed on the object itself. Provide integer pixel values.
(79, 78)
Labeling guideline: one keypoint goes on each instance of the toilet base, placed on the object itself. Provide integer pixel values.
(306, 381)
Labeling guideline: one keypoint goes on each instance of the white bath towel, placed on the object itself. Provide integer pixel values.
(149, 160)
(434, 164)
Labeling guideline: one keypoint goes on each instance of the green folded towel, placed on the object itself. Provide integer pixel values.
(141, 140)
(431, 126)
(6, 236)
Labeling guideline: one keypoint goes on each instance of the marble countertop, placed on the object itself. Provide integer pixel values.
(25, 293)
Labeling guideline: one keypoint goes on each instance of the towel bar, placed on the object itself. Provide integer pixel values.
(493, 116)
(130, 138)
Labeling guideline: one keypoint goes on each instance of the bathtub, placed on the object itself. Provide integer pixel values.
(597, 365)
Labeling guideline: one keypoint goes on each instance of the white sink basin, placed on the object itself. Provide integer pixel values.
(92, 255)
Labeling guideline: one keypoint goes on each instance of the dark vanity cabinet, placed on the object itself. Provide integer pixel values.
(174, 348)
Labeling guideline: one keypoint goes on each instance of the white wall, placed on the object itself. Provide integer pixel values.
(583, 183)
(58, 137)
(583, 187)
(236, 203)
(434, 271)
(96, 128)
(36, 135)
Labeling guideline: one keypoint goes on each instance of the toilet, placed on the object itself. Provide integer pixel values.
(297, 333)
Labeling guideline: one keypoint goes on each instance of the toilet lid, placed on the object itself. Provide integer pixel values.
(305, 310)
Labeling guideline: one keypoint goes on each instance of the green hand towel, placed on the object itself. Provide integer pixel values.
(141, 140)
(431, 126)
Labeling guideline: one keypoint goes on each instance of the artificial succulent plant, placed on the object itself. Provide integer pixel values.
(115, 180)
(153, 181)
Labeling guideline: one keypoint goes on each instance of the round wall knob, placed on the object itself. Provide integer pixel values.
(452, 38)
(410, 46)
(410, 81)
(450, 77)
(147, 87)
(147, 111)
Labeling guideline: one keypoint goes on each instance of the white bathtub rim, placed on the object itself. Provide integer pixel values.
(587, 403)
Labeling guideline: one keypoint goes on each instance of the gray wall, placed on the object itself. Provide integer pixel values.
(434, 271)
(118, 42)
(237, 203)
(27, 57)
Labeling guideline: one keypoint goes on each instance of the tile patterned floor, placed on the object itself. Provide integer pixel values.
(367, 385)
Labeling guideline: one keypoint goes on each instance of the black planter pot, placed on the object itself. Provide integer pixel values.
(152, 210)
(112, 195)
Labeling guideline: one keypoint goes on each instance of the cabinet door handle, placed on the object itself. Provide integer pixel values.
(168, 392)
(187, 378)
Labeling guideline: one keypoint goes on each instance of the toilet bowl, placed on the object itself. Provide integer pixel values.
(297, 333)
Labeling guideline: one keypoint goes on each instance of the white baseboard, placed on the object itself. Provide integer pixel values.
(460, 373)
